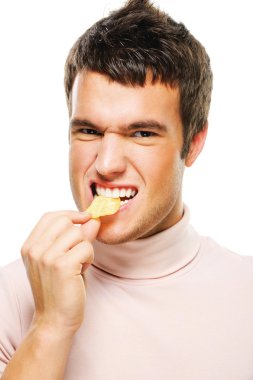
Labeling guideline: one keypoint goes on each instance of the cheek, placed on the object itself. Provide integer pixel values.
(79, 162)
(164, 167)
(78, 159)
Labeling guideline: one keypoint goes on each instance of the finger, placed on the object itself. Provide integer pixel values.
(57, 228)
(77, 259)
(52, 225)
(90, 229)
(65, 242)
(38, 261)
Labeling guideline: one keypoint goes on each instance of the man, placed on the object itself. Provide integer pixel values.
(149, 298)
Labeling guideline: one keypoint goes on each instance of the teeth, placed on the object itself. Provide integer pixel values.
(108, 193)
(115, 193)
(122, 193)
(123, 202)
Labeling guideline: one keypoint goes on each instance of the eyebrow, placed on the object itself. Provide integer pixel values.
(138, 125)
(75, 122)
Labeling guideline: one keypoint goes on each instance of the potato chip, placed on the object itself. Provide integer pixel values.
(102, 206)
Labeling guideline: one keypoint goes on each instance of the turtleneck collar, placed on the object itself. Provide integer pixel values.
(156, 256)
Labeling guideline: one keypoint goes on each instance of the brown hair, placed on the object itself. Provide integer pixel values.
(139, 37)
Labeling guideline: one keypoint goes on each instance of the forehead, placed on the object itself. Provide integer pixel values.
(96, 97)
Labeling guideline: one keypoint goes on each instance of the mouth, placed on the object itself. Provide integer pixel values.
(124, 193)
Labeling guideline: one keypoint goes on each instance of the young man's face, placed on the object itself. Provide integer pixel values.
(124, 137)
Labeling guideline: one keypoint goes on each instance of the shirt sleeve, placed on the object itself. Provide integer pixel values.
(10, 320)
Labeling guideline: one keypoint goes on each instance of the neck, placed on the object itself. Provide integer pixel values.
(155, 256)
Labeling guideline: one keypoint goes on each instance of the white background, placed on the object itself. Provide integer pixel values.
(35, 37)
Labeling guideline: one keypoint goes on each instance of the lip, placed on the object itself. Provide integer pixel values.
(113, 185)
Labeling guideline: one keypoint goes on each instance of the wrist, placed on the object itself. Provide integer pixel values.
(43, 344)
(51, 332)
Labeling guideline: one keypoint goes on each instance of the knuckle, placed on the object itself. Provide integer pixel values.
(47, 215)
(24, 249)
(65, 221)
(59, 265)
(56, 216)
(46, 261)
(32, 252)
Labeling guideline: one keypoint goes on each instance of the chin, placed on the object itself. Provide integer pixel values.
(112, 239)
(112, 236)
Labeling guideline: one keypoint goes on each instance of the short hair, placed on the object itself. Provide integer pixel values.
(140, 38)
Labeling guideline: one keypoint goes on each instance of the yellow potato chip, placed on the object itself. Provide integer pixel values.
(102, 206)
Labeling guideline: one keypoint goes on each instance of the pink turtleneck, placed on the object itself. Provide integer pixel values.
(172, 306)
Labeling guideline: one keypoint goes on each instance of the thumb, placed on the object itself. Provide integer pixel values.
(90, 229)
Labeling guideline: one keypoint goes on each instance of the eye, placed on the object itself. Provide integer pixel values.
(144, 134)
(89, 131)
(85, 134)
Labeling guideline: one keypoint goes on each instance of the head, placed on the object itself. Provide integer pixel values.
(136, 52)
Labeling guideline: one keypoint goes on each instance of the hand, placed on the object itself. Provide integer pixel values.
(56, 254)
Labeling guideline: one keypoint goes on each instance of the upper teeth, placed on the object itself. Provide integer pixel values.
(115, 193)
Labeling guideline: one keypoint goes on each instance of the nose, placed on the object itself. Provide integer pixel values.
(111, 161)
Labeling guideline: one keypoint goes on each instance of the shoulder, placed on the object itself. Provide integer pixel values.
(221, 261)
(16, 309)
(14, 276)
(16, 296)
(214, 249)
(15, 267)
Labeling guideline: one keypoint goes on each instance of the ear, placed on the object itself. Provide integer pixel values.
(196, 146)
